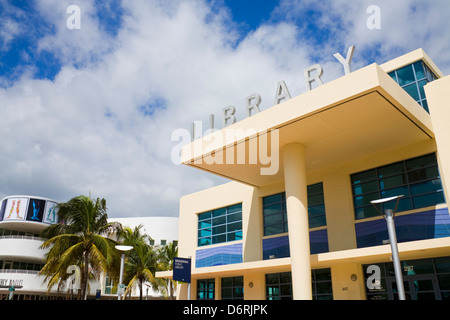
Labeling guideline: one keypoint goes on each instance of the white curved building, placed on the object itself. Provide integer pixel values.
(22, 219)
(161, 229)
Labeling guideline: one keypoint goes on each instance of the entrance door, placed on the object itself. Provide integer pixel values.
(417, 287)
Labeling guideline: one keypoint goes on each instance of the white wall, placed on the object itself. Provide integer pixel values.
(26, 249)
(159, 228)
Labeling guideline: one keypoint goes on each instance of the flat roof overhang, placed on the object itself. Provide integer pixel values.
(355, 116)
(407, 250)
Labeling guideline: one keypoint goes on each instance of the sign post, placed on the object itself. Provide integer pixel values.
(182, 272)
(11, 292)
(11, 286)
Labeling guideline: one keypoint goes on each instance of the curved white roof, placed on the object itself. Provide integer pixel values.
(158, 228)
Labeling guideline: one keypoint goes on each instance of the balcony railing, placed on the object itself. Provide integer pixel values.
(21, 237)
(18, 271)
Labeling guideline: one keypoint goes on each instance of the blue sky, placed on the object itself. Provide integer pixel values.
(250, 14)
(22, 53)
(93, 109)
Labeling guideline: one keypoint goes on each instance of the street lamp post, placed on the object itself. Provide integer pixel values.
(123, 249)
(389, 217)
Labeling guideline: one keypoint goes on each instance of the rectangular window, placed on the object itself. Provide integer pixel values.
(321, 284)
(220, 225)
(316, 206)
(416, 179)
(233, 288)
(206, 289)
(279, 285)
(275, 213)
(412, 78)
(429, 224)
(109, 285)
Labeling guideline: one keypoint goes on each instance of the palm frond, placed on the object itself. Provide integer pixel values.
(79, 241)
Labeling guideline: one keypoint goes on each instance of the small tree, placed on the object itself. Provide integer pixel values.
(142, 262)
(166, 254)
(80, 239)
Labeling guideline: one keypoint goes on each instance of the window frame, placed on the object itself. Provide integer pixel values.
(207, 290)
(282, 225)
(408, 185)
(428, 76)
(219, 225)
(284, 288)
(237, 283)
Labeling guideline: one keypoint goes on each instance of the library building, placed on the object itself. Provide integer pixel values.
(300, 219)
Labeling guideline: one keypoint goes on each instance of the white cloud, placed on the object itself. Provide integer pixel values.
(84, 46)
(84, 131)
(405, 26)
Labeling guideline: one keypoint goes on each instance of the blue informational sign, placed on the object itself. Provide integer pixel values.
(182, 269)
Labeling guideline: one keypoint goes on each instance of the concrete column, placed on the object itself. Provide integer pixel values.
(252, 226)
(297, 215)
(217, 288)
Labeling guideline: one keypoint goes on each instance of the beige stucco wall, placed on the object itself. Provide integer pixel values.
(438, 97)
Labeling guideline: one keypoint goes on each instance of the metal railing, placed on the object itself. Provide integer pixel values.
(20, 237)
(18, 271)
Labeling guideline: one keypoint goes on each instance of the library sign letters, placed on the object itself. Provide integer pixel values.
(261, 150)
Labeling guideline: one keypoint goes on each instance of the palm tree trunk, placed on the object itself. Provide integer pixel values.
(84, 292)
(140, 289)
(171, 289)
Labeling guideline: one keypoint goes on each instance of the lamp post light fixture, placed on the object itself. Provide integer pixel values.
(388, 215)
(123, 249)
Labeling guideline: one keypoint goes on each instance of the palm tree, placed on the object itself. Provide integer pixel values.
(166, 255)
(142, 261)
(81, 239)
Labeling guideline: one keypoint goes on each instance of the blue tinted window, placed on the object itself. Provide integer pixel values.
(421, 84)
(275, 215)
(205, 289)
(279, 197)
(220, 225)
(416, 226)
(233, 288)
(425, 105)
(393, 75)
(365, 176)
(416, 179)
(412, 91)
(405, 75)
(413, 78)
(419, 70)
(279, 285)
